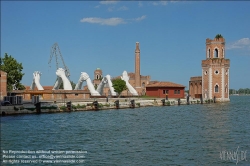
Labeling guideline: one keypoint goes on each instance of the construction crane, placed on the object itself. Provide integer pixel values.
(55, 51)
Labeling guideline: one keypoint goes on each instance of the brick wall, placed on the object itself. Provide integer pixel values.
(3, 84)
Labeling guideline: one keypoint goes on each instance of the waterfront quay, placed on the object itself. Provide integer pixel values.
(94, 104)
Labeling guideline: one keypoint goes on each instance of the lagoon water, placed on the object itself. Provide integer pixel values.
(175, 135)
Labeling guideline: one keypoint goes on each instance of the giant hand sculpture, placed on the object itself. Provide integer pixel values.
(66, 83)
(101, 86)
(36, 81)
(57, 83)
(125, 78)
(111, 88)
(85, 77)
(105, 80)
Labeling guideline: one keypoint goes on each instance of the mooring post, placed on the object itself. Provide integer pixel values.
(201, 100)
(163, 102)
(117, 104)
(69, 106)
(214, 99)
(187, 99)
(179, 101)
(132, 104)
(95, 103)
(38, 107)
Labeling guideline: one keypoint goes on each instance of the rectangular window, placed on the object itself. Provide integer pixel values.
(176, 92)
(165, 91)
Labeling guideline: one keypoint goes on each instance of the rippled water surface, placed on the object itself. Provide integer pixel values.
(175, 135)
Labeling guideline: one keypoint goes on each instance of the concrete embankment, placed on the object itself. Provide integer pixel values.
(102, 104)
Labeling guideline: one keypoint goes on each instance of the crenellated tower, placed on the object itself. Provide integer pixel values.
(215, 71)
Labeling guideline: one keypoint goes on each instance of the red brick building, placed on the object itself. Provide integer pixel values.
(215, 73)
(3, 84)
(195, 87)
(160, 89)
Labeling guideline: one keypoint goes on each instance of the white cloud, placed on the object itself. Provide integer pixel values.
(108, 2)
(98, 6)
(108, 21)
(122, 8)
(239, 44)
(140, 18)
(160, 3)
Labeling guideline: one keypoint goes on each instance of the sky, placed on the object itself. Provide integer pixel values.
(103, 34)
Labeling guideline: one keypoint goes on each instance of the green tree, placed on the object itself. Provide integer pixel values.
(14, 72)
(72, 84)
(218, 36)
(119, 85)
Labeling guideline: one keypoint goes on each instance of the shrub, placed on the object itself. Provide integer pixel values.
(30, 109)
(63, 107)
(73, 106)
(100, 105)
(107, 105)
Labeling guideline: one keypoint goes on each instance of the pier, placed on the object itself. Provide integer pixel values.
(94, 104)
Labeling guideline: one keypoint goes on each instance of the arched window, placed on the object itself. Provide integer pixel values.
(216, 53)
(208, 53)
(216, 89)
(143, 85)
(97, 76)
(222, 53)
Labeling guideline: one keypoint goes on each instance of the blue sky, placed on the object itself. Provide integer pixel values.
(102, 34)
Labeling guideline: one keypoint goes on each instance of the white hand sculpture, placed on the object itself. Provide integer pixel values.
(66, 83)
(36, 76)
(36, 81)
(101, 86)
(57, 83)
(125, 78)
(111, 88)
(85, 77)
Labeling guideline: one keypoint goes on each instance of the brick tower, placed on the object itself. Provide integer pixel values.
(215, 71)
(97, 77)
(3, 84)
(137, 66)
